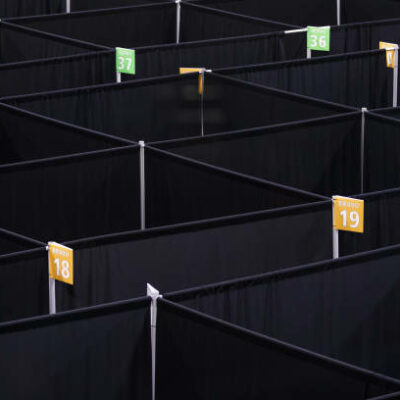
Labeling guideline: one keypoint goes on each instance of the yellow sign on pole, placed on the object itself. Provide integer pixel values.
(184, 70)
(348, 214)
(61, 263)
(390, 53)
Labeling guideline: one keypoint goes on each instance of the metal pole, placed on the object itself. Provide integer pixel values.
(395, 75)
(154, 294)
(363, 110)
(178, 20)
(118, 77)
(142, 187)
(68, 6)
(338, 11)
(52, 296)
(202, 101)
(335, 236)
(308, 53)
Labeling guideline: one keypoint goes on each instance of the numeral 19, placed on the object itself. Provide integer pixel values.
(354, 218)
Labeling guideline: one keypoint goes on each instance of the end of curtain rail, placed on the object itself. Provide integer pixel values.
(142, 143)
(178, 1)
(295, 31)
(364, 109)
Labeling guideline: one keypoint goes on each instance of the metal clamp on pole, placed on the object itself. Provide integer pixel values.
(154, 294)
(68, 6)
(142, 186)
(363, 111)
(178, 20)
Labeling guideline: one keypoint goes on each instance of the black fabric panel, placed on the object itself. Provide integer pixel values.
(381, 224)
(181, 191)
(300, 12)
(81, 5)
(213, 360)
(117, 268)
(18, 44)
(367, 10)
(246, 106)
(202, 23)
(321, 157)
(382, 142)
(24, 137)
(126, 27)
(149, 111)
(19, 8)
(10, 243)
(92, 354)
(24, 285)
(164, 60)
(348, 309)
(72, 198)
(365, 77)
(57, 73)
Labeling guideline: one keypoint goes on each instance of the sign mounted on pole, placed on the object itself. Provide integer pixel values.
(61, 263)
(348, 214)
(125, 60)
(390, 53)
(319, 38)
(184, 70)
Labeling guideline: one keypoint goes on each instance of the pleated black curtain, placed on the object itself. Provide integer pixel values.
(344, 309)
(368, 10)
(367, 80)
(103, 352)
(11, 242)
(212, 358)
(18, 8)
(327, 149)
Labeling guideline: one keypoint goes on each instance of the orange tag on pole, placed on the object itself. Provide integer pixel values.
(184, 70)
(61, 263)
(390, 53)
(348, 214)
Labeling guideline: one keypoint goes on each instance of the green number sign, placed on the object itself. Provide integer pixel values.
(319, 38)
(125, 61)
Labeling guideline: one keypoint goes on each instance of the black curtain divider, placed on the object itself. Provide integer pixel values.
(368, 81)
(388, 396)
(151, 24)
(19, 8)
(101, 353)
(213, 359)
(24, 285)
(72, 197)
(303, 12)
(116, 267)
(321, 155)
(18, 43)
(82, 5)
(346, 308)
(174, 105)
(25, 136)
(11, 242)
(368, 10)
(381, 223)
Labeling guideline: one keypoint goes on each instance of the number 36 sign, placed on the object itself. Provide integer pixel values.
(319, 38)
(61, 263)
(348, 214)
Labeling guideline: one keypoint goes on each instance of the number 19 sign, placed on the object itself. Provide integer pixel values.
(348, 214)
(61, 263)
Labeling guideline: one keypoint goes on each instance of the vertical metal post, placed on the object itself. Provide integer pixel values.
(362, 148)
(309, 53)
(118, 77)
(142, 186)
(68, 6)
(395, 74)
(202, 101)
(154, 294)
(338, 12)
(178, 20)
(335, 235)
(52, 296)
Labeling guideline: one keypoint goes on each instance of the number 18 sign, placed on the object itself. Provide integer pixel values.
(348, 214)
(61, 263)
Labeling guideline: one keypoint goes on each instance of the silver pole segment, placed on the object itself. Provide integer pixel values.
(178, 20)
(68, 6)
(154, 294)
(308, 53)
(142, 186)
(335, 236)
(52, 296)
(363, 110)
(202, 101)
(118, 77)
(338, 12)
(395, 75)
(295, 31)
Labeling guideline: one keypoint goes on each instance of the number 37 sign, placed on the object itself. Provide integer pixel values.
(348, 214)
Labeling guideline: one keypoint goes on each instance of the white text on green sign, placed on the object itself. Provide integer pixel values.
(319, 38)
(125, 61)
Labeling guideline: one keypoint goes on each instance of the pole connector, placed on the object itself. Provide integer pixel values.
(142, 143)
(364, 109)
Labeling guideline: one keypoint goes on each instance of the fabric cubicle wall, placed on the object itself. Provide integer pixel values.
(368, 81)
(216, 359)
(17, 8)
(367, 10)
(103, 352)
(351, 304)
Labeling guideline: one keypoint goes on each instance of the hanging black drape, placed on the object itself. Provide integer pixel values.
(11, 242)
(18, 8)
(347, 309)
(200, 357)
(327, 151)
(101, 353)
(366, 79)
(367, 10)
